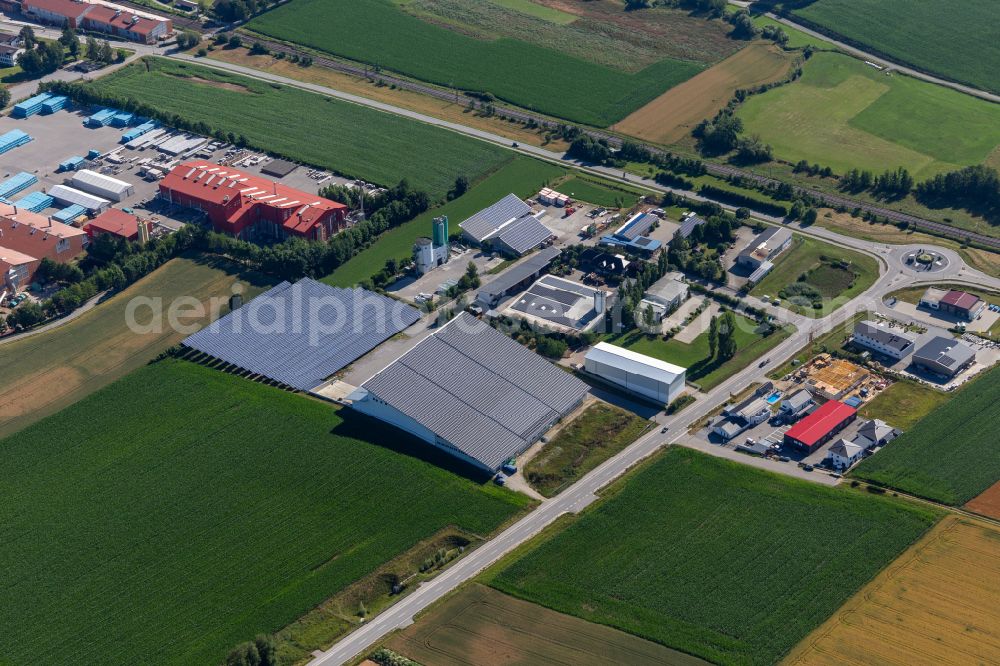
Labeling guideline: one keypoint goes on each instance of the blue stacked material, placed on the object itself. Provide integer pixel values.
(30, 107)
(12, 140)
(72, 164)
(122, 119)
(69, 213)
(92, 153)
(17, 183)
(35, 202)
(138, 131)
(101, 118)
(53, 104)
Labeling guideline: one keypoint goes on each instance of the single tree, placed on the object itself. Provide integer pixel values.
(713, 337)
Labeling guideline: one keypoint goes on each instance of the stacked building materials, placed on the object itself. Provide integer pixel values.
(30, 107)
(56, 103)
(71, 164)
(12, 140)
(138, 131)
(17, 183)
(36, 202)
(122, 119)
(69, 214)
(100, 119)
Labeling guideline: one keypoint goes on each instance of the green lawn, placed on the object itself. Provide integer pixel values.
(956, 39)
(904, 403)
(796, 38)
(844, 114)
(715, 558)
(522, 176)
(951, 455)
(352, 140)
(701, 370)
(380, 33)
(540, 11)
(181, 510)
(811, 257)
(600, 432)
(599, 193)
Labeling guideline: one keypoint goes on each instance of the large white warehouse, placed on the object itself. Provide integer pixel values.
(643, 375)
(67, 196)
(101, 185)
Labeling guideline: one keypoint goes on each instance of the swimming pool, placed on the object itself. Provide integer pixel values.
(774, 397)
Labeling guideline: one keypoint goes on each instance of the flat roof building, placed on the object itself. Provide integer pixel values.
(648, 377)
(666, 294)
(765, 247)
(819, 427)
(471, 391)
(884, 340)
(944, 356)
(954, 302)
(562, 303)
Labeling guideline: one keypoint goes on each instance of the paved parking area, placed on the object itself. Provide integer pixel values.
(437, 281)
(944, 320)
(569, 229)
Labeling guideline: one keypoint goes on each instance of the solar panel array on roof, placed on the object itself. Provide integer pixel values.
(477, 390)
(523, 235)
(688, 225)
(488, 221)
(301, 334)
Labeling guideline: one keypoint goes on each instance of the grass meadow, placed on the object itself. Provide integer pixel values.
(42, 374)
(599, 193)
(952, 39)
(522, 176)
(844, 114)
(811, 258)
(704, 371)
(352, 140)
(535, 77)
(181, 510)
(950, 455)
(714, 558)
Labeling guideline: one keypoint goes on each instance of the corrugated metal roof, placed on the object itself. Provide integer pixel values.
(86, 178)
(817, 425)
(474, 387)
(634, 362)
(524, 234)
(301, 334)
(518, 273)
(69, 195)
(488, 221)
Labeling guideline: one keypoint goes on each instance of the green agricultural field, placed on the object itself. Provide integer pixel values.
(950, 456)
(702, 370)
(352, 140)
(825, 277)
(181, 510)
(381, 33)
(957, 40)
(46, 372)
(599, 193)
(537, 10)
(715, 558)
(523, 176)
(598, 433)
(844, 114)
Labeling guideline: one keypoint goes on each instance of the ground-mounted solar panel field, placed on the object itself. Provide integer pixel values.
(182, 510)
(350, 139)
(714, 558)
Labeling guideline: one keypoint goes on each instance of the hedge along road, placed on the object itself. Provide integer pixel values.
(525, 116)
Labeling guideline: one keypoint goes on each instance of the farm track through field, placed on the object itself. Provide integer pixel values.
(721, 170)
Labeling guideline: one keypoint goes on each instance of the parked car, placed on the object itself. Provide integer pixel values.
(500, 479)
(808, 468)
(784, 459)
(664, 429)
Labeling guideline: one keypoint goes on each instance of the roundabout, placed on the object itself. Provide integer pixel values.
(925, 260)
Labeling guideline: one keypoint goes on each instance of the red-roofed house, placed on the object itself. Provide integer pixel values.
(26, 238)
(962, 304)
(117, 223)
(819, 427)
(100, 16)
(249, 206)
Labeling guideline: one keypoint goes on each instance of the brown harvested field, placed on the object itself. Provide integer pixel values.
(671, 116)
(44, 373)
(482, 627)
(937, 604)
(451, 111)
(988, 503)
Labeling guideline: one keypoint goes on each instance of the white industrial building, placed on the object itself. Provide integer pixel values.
(880, 338)
(665, 295)
(102, 186)
(68, 196)
(651, 378)
(429, 253)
